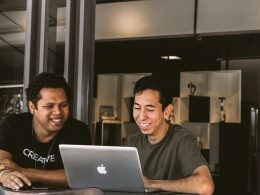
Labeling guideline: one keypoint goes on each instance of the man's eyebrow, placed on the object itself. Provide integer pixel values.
(51, 103)
(150, 105)
(48, 103)
(64, 102)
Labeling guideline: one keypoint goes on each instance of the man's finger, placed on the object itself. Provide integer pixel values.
(23, 178)
(10, 183)
(4, 166)
(15, 180)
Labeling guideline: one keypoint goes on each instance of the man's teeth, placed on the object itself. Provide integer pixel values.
(144, 124)
(56, 120)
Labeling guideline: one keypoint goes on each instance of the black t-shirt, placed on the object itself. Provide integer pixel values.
(17, 138)
(175, 157)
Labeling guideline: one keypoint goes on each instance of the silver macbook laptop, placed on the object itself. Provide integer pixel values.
(109, 168)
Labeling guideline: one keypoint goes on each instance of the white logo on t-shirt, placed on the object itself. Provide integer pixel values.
(33, 155)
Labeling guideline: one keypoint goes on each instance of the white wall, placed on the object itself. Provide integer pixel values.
(222, 16)
(250, 78)
(138, 19)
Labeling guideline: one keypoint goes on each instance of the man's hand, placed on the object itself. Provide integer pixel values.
(147, 182)
(14, 180)
(10, 165)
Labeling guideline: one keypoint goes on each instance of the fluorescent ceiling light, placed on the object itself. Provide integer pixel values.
(171, 57)
(164, 57)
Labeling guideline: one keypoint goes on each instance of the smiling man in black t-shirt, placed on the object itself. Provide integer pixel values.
(29, 141)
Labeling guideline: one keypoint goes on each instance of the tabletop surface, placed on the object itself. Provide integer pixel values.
(67, 191)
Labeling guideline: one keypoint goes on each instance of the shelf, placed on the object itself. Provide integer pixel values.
(107, 121)
(201, 79)
(203, 97)
(119, 97)
(209, 135)
(226, 84)
(195, 109)
(213, 84)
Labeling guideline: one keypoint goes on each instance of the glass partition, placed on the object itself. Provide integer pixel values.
(56, 36)
(12, 44)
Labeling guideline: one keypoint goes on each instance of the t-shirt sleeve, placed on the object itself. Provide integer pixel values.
(127, 142)
(131, 141)
(190, 155)
(87, 141)
(5, 134)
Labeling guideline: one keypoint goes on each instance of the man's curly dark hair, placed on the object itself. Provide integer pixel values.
(45, 80)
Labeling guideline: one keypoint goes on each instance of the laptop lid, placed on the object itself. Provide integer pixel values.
(106, 167)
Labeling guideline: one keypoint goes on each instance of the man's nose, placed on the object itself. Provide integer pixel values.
(142, 115)
(57, 110)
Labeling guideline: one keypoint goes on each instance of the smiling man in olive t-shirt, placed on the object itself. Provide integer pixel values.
(169, 154)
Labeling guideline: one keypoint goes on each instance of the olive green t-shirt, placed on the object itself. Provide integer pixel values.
(176, 156)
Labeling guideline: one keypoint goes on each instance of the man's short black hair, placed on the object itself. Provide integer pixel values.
(155, 83)
(45, 80)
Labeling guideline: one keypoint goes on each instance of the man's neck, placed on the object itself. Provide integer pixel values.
(42, 135)
(154, 139)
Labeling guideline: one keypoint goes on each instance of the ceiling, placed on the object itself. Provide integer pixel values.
(112, 1)
(13, 20)
(136, 55)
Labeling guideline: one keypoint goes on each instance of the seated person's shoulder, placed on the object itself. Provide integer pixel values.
(17, 119)
(181, 131)
(78, 127)
(75, 132)
(74, 123)
(133, 138)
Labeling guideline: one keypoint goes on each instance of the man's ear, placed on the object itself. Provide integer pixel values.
(168, 111)
(31, 107)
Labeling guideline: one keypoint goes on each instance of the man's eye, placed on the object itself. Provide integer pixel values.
(63, 105)
(136, 108)
(48, 107)
(150, 110)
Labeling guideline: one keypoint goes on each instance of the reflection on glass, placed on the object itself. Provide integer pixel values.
(11, 101)
(12, 43)
(56, 36)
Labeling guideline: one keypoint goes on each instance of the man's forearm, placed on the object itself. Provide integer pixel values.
(200, 182)
(47, 177)
(192, 184)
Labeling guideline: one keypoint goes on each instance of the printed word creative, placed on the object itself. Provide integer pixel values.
(33, 155)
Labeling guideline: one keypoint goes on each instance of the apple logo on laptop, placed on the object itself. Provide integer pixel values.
(101, 169)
